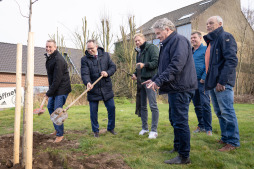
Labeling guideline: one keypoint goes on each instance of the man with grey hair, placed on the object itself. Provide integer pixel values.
(221, 62)
(176, 77)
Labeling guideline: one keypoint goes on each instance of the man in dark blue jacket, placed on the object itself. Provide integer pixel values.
(95, 63)
(201, 99)
(176, 77)
(59, 83)
(221, 62)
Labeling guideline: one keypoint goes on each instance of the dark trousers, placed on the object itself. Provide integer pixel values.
(179, 107)
(201, 101)
(110, 105)
(55, 102)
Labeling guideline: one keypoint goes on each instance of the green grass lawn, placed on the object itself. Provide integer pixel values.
(139, 151)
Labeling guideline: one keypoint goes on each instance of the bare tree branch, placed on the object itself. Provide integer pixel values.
(34, 1)
(20, 10)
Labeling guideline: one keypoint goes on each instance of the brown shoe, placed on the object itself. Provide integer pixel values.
(53, 134)
(58, 139)
(227, 147)
(209, 133)
(220, 142)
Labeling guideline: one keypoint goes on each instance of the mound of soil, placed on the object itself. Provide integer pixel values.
(45, 156)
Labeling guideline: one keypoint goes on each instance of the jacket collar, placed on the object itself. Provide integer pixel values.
(213, 35)
(52, 55)
(145, 46)
(168, 38)
(201, 45)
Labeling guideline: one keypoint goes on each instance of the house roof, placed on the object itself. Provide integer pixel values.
(180, 16)
(8, 58)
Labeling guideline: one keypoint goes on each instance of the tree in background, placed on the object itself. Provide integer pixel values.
(80, 39)
(105, 33)
(125, 58)
(245, 69)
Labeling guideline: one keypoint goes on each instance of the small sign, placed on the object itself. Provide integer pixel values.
(8, 97)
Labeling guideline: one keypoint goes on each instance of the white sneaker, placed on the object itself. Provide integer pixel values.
(153, 135)
(142, 132)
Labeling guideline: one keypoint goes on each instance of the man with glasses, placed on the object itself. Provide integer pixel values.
(94, 64)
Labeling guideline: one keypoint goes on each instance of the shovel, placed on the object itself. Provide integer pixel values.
(40, 110)
(60, 114)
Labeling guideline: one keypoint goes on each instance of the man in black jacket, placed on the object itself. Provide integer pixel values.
(147, 59)
(221, 62)
(59, 83)
(176, 77)
(95, 63)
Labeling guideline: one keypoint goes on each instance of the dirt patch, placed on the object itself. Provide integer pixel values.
(48, 155)
(104, 160)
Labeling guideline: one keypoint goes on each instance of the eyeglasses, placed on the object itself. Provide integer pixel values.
(90, 48)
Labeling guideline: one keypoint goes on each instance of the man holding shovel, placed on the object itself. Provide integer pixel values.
(94, 64)
(59, 83)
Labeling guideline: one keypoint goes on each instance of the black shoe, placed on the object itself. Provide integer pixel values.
(178, 160)
(112, 132)
(96, 134)
(173, 151)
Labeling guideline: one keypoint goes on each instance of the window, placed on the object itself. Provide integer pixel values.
(205, 2)
(186, 16)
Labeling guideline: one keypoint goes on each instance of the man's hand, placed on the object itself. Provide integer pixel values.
(134, 77)
(220, 88)
(89, 86)
(147, 82)
(46, 96)
(104, 74)
(141, 65)
(202, 81)
(153, 86)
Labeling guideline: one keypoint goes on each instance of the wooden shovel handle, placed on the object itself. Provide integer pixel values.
(82, 94)
(43, 101)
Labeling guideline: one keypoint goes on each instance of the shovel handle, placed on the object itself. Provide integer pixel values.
(43, 101)
(82, 94)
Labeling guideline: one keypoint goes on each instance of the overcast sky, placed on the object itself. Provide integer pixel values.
(66, 15)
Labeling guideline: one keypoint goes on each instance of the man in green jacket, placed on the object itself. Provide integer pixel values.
(147, 59)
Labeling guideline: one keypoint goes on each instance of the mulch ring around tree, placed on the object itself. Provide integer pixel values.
(47, 155)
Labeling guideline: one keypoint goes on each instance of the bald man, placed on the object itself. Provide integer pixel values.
(221, 62)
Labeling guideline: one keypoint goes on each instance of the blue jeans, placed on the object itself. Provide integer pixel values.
(223, 108)
(201, 101)
(110, 105)
(179, 107)
(151, 95)
(55, 102)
